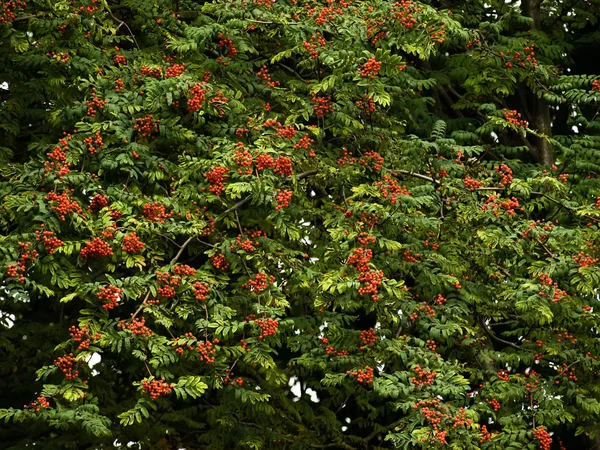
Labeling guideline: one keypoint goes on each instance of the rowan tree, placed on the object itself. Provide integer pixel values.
(276, 224)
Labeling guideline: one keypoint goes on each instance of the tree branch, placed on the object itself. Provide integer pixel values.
(494, 337)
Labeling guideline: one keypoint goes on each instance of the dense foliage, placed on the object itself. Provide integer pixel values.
(295, 224)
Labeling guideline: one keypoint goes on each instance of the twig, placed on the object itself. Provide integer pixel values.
(548, 252)
(141, 306)
(121, 23)
(494, 337)
(148, 368)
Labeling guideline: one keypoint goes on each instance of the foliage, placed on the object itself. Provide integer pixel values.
(290, 224)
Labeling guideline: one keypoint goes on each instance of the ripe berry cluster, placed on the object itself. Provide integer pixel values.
(283, 199)
(330, 350)
(167, 284)
(287, 132)
(94, 143)
(51, 242)
(216, 179)
(364, 376)
(596, 85)
(184, 269)
(403, 12)
(367, 105)
(245, 244)
(57, 158)
(346, 159)
(265, 75)
(96, 248)
(268, 327)
(155, 72)
(305, 143)
(41, 402)
(321, 105)
(568, 372)
(515, 118)
(360, 258)
(136, 326)
(506, 173)
(64, 204)
(110, 295)
(389, 187)
(264, 161)
(217, 101)
(27, 254)
(206, 351)
(132, 244)
(201, 291)
(196, 102)
(423, 377)
(145, 126)
(227, 44)
(370, 69)
(260, 282)
(156, 212)
(283, 166)
(427, 310)
(7, 9)
(174, 70)
(315, 42)
(584, 259)
(486, 436)
(119, 85)
(543, 438)
(472, 184)
(120, 59)
(219, 262)
(94, 104)
(497, 206)
(156, 388)
(368, 338)
(372, 158)
(82, 335)
(68, 365)
(494, 403)
(244, 160)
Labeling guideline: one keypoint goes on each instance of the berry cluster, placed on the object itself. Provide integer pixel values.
(244, 161)
(156, 388)
(136, 326)
(57, 158)
(120, 59)
(96, 248)
(436, 414)
(145, 126)
(216, 178)
(584, 260)
(497, 207)
(197, 100)
(360, 258)
(94, 104)
(370, 69)
(94, 143)
(283, 199)
(596, 85)
(494, 403)
(427, 310)
(330, 350)
(543, 438)
(365, 238)
(287, 132)
(68, 365)
(568, 372)
(51, 242)
(260, 282)
(219, 262)
(247, 245)
(368, 338)
(264, 161)
(110, 295)
(132, 244)
(472, 184)
(184, 269)
(156, 212)
(372, 158)
(174, 70)
(403, 12)
(367, 105)
(364, 376)
(265, 75)
(82, 335)
(513, 117)
(370, 282)
(506, 173)
(147, 71)
(201, 291)
(389, 187)
(346, 158)
(63, 204)
(227, 44)
(305, 143)
(27, 254)
(321, 105)
(119, 85)
(423, 377)
(7, 9)
(217, 101)
(206, 351)
(41, 402)
(168, 284)
(268, 327)
(314, 43)
(283, 166)
(486, 436)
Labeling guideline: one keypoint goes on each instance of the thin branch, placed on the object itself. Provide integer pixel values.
(141, 306)
(418, 175)
(548, 252)
(494, 337)
(121, 23)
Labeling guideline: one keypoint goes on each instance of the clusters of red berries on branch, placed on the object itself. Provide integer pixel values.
(321, 105)
(94, 104)
(315, 43)
(61, 57)
(136, 326)
(174, 70)
(216, 178)
(110, 295)
(287, 132)
(365, 238)
(496, 206)
(403, 12)
(567, 371)
(438, 416)
(566, 337)
(370, 69)
(370, 282)
(150, 72)
(83, 336)
(494, 404)
(372, 158)
(327, 14)
(390, 188)
(168, 284)
(423, 377)
(157, 388)
(268, 327)
(411, 257)
(227, 44)
(486, 436)
(119, 85)
(96, 248)
(247, 244)
(196, 101)
(94, 143)
(244, 161)
(26, 255)
(145, 126)
(368, 338)
(57, 158)
(367, 105)
(63, 204)
(132, 244)
(283, 166)
(217, 101)
(330, 350)
(184, 269)
(156, 212)
(503, 375)
(427, 310)
(360, 258)
(526, 58)
(201, 291)
(49, 239)
(364, 376)
(596, 85)
(543, 437)
(259, 283)
(584, 259)
(41, 402)
(67, 365)
(120, 59)
(472, 184)
(346, 159)
(305, 143)
(564, 177)
(506, 173)
(219, 262)
(8, 8)
(283, 199)
(513, 117)
(264, 161)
